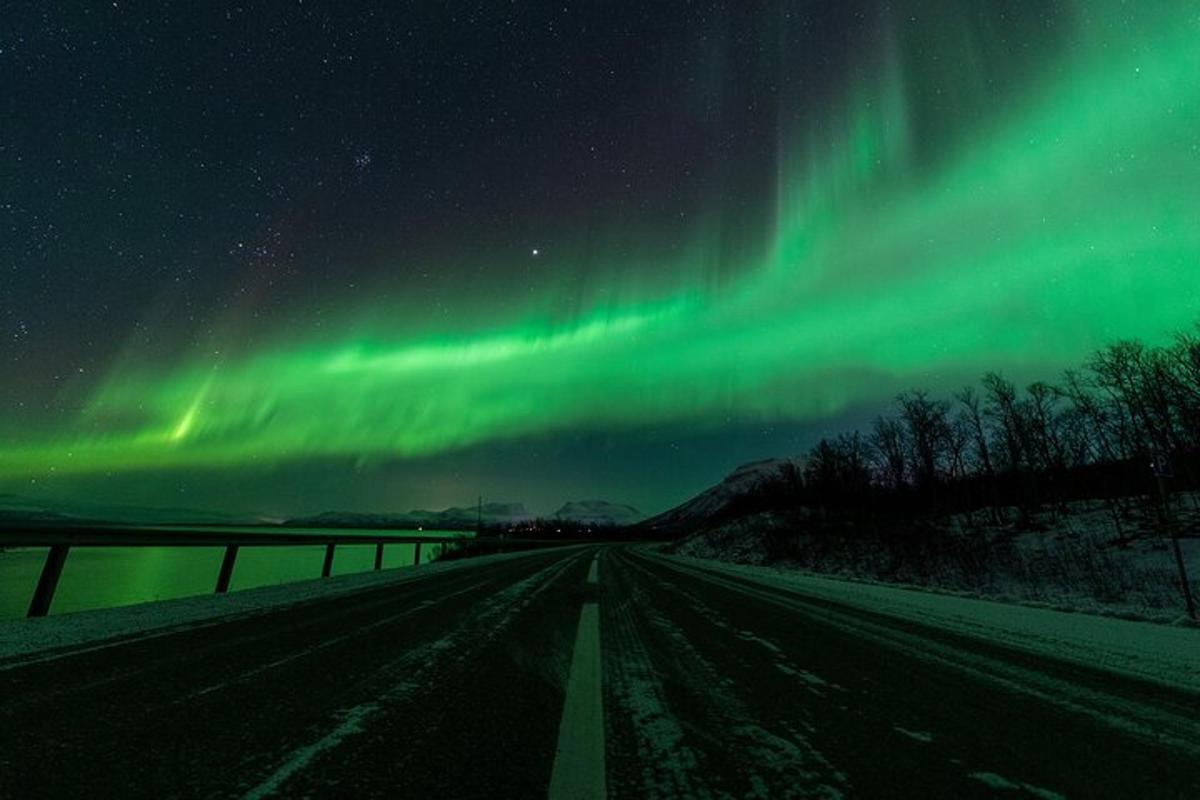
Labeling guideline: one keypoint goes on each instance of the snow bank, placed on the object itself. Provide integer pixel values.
(1078, 559)
(1160, 653)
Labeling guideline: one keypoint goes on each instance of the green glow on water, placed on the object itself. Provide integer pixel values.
(104, 577)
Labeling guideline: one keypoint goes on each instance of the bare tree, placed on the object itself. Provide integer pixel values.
(1042, 426)
(1094, 418)
(973, 419)
(1004, 409)
(1183, 365)
(928, 427)
(1121, 369)
(838, 470)
(891, 446)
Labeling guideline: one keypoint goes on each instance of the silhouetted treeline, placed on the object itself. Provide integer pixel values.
(1102, 431)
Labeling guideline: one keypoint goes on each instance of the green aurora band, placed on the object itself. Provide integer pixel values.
(1063, 219)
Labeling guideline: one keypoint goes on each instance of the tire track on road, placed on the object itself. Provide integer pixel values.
(915, 711)
(409, 674)
(738, 752)
(134, 726)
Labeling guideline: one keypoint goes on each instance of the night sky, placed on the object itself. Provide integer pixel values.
(296, 256)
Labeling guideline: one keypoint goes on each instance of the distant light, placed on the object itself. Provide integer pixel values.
(536, 251)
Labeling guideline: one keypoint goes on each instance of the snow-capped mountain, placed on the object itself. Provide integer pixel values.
(599, 512)
(455, 517)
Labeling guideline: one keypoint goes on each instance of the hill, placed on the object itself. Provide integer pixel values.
(748, 488)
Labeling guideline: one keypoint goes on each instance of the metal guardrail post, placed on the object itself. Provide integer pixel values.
(327, 567)
(226, 573)
(43, 595)
(417, 554)
(378, 556)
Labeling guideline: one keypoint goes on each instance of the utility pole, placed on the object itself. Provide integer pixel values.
(1162, 471)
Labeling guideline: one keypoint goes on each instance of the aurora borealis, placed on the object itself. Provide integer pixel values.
(878, 195)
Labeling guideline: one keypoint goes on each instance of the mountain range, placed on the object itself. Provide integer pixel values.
(15, 509)
(584, 512)
(735, 494)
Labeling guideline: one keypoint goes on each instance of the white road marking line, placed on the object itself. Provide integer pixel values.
(593, 577)
(579, 772)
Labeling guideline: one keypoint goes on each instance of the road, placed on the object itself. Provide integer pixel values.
(485, 681)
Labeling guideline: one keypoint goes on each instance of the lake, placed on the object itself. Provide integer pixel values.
(103, 577)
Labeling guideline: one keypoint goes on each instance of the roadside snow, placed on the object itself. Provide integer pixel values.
(23, 640)
(1165, 654)
(999, 783)
(923, 737)
(1085, 556)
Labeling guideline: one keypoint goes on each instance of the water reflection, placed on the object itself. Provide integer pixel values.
(101, 577)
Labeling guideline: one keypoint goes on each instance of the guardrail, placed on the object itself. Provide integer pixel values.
(60, 540)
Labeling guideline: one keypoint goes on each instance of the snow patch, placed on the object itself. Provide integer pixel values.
(920, 736)
(301, 757)
(1000, 783)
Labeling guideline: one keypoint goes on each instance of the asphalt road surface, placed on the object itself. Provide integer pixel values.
(583, 672)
